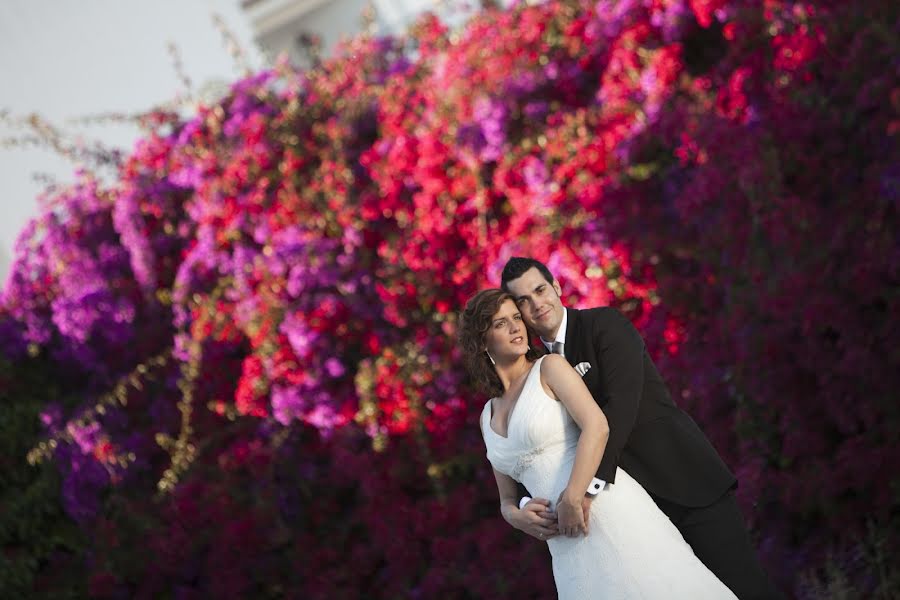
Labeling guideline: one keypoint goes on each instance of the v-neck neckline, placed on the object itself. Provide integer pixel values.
(512, 409)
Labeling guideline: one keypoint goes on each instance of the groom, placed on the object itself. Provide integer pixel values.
(657, 443)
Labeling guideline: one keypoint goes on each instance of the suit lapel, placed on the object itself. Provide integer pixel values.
(572, 324)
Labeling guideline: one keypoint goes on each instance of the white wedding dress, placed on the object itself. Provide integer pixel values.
(632, 550)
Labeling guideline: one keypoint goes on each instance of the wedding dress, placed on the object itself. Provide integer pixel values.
(632, 550)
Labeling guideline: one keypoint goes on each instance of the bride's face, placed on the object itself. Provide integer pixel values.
(506, 337)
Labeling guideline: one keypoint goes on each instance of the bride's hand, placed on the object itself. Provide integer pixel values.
(571, 516)
(536, 519)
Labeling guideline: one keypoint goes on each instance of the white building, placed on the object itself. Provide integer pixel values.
(281, 25)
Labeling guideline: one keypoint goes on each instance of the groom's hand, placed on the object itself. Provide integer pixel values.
(572, 515)
(536, 519)
(586, 509)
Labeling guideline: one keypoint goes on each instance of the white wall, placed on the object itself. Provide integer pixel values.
(68, 58)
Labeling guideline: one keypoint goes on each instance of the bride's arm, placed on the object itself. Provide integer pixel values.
(533, 519)
(509, 496)
(567, 386)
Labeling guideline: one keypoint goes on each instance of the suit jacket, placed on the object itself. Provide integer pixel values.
(656, 442)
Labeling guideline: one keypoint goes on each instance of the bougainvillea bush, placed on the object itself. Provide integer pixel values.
(231, 372)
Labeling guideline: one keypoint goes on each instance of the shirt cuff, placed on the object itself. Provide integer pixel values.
(604, 486)
(597, 485)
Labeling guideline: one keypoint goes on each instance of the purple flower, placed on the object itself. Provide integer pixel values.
(286, 404)
(84, 436)
(334, 367)
(299, 334)
(84, 479)
(470, 136)
(522, 84)
(535, 174)
(491, 117)
(12, 338)
(672, 19)
(323, 417)
(52, 417)
(615, 15)
(70, 281)
(536, 110)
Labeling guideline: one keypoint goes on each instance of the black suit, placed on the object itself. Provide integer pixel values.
(656, 442)
(662, 448)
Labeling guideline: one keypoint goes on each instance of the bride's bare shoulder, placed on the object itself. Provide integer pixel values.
(552, 366)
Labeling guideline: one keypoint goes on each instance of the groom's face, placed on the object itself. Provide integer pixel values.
(539, 302)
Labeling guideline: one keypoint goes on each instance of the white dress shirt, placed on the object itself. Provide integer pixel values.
(561, 334)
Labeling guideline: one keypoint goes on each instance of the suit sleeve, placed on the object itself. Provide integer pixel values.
(620, 350)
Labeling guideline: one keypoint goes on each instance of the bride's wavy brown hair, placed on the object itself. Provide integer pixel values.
(474, 322)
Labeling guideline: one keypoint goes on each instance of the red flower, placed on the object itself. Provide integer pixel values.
(705, 10)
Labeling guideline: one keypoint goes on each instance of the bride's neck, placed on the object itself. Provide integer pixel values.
(508, 372)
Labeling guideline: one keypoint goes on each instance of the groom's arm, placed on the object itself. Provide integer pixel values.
(523, 492)
(620, 350)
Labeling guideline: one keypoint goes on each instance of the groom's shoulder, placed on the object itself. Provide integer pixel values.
(601, 314)
(603, 320)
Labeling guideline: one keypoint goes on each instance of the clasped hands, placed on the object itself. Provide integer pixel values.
(540, 521)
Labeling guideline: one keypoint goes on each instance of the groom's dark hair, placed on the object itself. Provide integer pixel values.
(516, 267)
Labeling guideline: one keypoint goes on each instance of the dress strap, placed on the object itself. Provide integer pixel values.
(535, 373)
(486, 412)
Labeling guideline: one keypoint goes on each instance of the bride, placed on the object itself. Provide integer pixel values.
(543, 429)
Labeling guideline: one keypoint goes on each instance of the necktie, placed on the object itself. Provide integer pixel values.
(558, 348)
